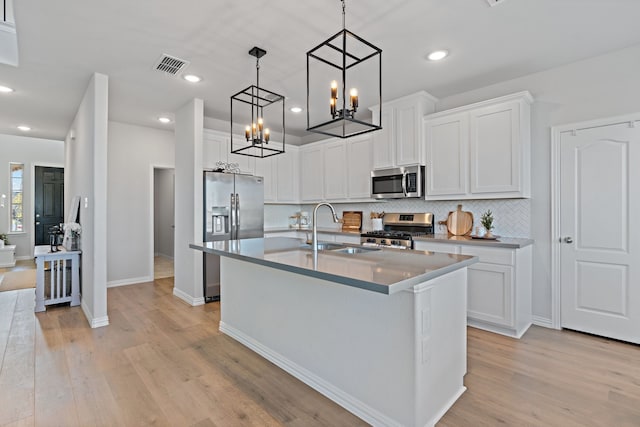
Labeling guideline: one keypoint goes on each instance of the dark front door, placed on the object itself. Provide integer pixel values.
(49, 201)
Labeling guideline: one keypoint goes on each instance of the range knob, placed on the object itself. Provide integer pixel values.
(371, 240)
(384, 242)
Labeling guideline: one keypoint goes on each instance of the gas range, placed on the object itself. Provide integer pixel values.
(399, 230)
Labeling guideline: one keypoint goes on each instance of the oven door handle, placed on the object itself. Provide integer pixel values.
(404, 183)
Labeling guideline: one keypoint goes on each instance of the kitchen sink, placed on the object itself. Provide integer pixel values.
(355, 250)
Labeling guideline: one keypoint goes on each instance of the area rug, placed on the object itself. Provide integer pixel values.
(23, 279)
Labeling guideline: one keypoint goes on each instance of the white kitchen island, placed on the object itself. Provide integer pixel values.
(382, 333)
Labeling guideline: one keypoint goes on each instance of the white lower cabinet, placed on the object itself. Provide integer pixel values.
(498, 286)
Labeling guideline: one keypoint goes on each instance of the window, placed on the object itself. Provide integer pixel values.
(17, 220)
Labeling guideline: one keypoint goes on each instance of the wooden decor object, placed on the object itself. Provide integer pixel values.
(459, 222)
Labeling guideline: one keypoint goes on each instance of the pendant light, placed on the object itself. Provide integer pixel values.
(262, 114)
(343, 73)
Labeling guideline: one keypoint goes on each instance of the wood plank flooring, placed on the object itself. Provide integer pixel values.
(161, 362)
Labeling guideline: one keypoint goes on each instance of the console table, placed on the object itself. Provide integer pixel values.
(62, 288)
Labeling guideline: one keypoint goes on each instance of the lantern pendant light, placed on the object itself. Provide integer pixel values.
(343, 72)
(257, 108)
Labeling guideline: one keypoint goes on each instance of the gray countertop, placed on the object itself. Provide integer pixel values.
(385, 271)
(501, 242)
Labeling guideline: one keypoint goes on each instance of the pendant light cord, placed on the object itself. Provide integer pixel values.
(343, 14)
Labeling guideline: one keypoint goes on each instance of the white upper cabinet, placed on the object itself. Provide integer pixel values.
(288, 175)
(399, 143)
(359, 155)
(281, 176)
(479, 151)
(495, 149)
(383, 149)
(335, 170)
(311, 173)
(267, 168)
(446, 151)
(214, 149)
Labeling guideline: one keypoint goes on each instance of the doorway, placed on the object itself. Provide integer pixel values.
(163, 222)
(596, 234)
(48, 201)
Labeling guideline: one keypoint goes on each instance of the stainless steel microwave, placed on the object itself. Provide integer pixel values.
(398, 183)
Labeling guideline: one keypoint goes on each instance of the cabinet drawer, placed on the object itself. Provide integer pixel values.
(491, 255)
(436, 247)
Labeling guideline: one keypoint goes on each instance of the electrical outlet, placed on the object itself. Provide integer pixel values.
(495, 2)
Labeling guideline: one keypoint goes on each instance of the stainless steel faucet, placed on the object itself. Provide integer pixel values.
(315, 225)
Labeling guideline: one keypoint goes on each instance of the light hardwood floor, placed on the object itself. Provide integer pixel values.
(162, 362)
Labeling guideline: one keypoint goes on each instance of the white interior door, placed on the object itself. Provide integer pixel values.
(600, 213)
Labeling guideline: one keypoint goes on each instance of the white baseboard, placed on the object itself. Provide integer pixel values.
(513, 333)
(350, 403)
(24, 258)
(188, 298)
(131, 281)
(543, 321)
(97, 322)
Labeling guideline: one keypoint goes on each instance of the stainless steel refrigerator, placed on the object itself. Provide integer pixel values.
(233, 209)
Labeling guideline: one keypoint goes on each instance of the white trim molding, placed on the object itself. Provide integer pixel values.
(556, 131)
(96, 322)
(188, 298)
(130, 281)
(542, 321)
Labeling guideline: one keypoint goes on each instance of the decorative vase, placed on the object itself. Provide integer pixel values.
(74, 243)
(1, 244)
(488, 234)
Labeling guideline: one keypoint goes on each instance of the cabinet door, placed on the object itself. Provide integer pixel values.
(446, 147)
(311, 171)
(247, 164)
(359, 155)
(287, 175)
(495, 149)
(407, 128)
(335, 170)
(266, 169)
(214, 149)
(490, 293)
(384, 141)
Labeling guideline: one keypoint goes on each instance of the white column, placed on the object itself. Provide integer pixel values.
(188, 202)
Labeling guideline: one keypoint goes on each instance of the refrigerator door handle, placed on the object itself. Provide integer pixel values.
(232, 231)
(237, 214)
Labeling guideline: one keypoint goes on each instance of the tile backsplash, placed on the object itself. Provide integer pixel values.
(512, 217)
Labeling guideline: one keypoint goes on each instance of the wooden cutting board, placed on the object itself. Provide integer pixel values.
(460, 222)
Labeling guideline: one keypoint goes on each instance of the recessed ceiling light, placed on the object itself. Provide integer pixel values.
(296, 109)
(5, 89)
(24, 128)
(437, 55)
(164, 119)
(192, 78)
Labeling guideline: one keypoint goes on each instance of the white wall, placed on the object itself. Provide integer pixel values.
(163, 211)
(133, 152)
(30, 152)
(188, 202)
(85, 175)
(598, 87)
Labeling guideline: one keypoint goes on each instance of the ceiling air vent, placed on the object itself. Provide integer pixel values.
(495, 2)
(170, 65)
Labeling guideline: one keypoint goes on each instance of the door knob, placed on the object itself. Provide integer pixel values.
(568, 240)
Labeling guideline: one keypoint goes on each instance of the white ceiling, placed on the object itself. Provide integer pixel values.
(61, 43)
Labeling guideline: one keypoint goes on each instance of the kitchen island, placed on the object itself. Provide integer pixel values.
(380, 332)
